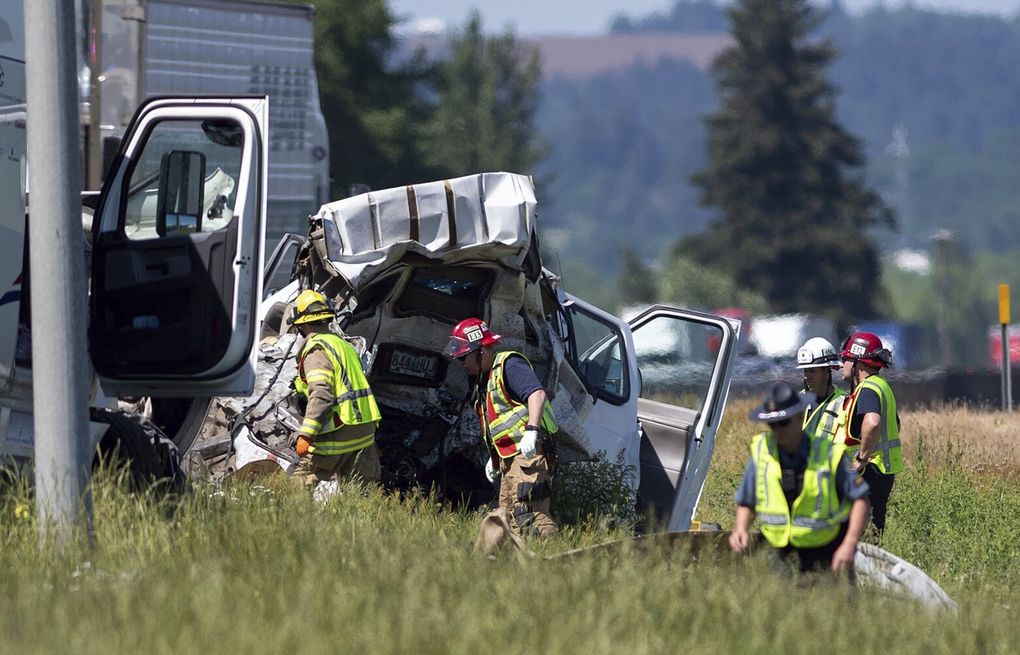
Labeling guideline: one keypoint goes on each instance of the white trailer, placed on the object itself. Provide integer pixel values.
(154, 48)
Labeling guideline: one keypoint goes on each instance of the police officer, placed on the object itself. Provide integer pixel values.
(337, 434)
(514, 413)
(802, 487)
(872, 428)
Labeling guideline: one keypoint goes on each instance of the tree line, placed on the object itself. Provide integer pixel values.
(630, 171)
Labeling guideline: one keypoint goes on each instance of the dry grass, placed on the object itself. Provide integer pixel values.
(980, 440)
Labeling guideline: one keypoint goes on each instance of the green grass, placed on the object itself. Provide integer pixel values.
(265, 569)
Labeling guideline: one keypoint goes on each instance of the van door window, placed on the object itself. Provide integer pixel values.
(677, 358)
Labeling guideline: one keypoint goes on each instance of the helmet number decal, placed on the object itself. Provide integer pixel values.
(473, 334)
(858, 349)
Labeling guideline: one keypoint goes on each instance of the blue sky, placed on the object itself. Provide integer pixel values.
(593, 16)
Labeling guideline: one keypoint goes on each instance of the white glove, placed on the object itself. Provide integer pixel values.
(528, 443)
(490, 472)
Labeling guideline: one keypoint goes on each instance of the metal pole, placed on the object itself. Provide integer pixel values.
(61, 371)
(1008, 366)
(1005, 369)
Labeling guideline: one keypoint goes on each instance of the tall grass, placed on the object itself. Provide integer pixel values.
(263, 568)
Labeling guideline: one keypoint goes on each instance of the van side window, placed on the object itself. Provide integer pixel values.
(599, 359)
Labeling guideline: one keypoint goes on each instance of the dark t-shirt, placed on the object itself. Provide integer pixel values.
(520, 380)
(867, 402)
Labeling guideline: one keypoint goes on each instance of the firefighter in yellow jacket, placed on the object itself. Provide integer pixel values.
(337, 434)
(811, 505)
(872, 426)
(516, 420)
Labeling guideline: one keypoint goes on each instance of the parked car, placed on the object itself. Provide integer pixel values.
(403, 266)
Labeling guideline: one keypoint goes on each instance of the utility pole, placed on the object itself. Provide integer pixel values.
(943, 239)
(900, 153)
(61, 373)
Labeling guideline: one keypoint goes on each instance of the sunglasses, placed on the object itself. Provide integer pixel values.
(783, 423)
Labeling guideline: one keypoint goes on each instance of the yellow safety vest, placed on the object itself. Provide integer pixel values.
(817, 512)
(827, 419)
(888, 455)
(503, 419)
(354, 402)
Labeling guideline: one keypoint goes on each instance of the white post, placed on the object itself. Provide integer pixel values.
(61, 369)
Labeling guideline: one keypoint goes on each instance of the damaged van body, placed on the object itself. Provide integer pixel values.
(402, 266)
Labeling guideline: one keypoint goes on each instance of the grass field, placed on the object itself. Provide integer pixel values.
(264, 569)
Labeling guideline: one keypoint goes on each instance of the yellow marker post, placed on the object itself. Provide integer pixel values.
(1007, 373)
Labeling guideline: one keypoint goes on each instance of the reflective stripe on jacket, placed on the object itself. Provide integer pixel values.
(827, 419)
(817, 512)
(888, 455)
(353, 401)
(503, 419)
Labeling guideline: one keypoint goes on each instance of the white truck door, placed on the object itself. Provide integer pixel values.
(685, 361)
(177, 250)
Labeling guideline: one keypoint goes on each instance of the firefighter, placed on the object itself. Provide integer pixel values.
(802, 487)
(516, 421)
(818, 358)
(872, 426)
(337, 435)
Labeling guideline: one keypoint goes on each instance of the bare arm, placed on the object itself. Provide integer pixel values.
(843, 558)
(536, 404)
(740, 536)
(869, 434)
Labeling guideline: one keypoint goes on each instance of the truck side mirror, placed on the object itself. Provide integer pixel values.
(181, 193)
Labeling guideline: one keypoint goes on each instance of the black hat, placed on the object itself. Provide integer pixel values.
(781, 402)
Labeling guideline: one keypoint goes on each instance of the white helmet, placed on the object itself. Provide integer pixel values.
(816, 353)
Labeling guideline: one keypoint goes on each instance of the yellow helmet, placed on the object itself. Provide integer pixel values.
(311, 307)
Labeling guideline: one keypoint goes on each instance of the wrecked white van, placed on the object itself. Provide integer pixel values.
(402, 266)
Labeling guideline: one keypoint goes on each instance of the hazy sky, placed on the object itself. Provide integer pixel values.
(593, 16)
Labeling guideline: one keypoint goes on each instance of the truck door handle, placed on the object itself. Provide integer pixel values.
(162, 267)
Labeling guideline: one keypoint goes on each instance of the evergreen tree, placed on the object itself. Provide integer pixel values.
(637, 281)
(784, 175)
(486, 102)
(373, 107)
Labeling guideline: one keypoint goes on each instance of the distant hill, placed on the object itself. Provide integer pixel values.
(622, 115)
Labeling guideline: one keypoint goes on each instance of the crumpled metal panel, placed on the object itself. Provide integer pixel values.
(488, 217)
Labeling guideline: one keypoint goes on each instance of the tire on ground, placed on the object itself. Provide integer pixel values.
(151, 457)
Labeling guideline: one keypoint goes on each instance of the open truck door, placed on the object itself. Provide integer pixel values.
(177, 250)
(671, 369)
(685, 361)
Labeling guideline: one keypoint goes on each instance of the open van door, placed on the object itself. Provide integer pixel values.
(660, 383)
(685, 362)
(177, 250)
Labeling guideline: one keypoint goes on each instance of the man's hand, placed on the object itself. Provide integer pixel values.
(739, 540)
(860, 463)
(302, 446)
(529, 444)
(843, 558)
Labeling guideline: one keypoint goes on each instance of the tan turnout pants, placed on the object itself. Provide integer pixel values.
(362, 464)
(525, 492)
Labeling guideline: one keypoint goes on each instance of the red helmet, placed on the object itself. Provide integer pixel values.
(866, 348)
(468, 336)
